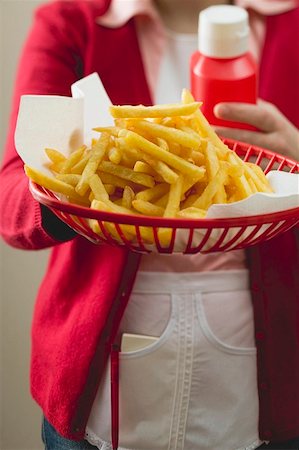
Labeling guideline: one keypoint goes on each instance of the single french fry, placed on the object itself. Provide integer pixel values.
(192, 213)
(108, 178)
(128, 197)
(54, 155)
(98, 189)
(128, 111)
(69, 178)
(212, 162)
(72, 159)
(95, 159)
(203, 124)
(113, 131)
(162, 169)
(127, 174)
(147, 208)
(169, 133)
(235, 164)
(162, 143)
(151, 194)
(171, 210)
(114, 155)
(79, 167)
(56, 166)
(174, 198)
(110, 206)
(196, 158)
(143, 167)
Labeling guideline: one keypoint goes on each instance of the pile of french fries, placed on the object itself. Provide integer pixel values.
(164, 161)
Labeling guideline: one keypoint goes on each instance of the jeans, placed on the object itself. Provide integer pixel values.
(53, 441)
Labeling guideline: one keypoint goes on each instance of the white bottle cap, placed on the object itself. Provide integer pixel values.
(223, 31)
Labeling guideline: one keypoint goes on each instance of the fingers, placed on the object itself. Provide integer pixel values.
(250, 137)
(255, 115)
(276, 133)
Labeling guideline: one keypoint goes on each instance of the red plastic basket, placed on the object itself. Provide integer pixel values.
(187, 236)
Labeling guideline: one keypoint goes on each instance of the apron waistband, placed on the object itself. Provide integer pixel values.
(172, 282)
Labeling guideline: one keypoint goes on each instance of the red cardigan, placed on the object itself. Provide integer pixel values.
(86, 287)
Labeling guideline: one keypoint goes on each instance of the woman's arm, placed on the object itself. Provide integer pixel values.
(50, 62)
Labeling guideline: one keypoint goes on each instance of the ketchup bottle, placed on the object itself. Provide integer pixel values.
(222, 70)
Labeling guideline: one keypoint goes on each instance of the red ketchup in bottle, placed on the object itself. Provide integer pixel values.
(222, 70)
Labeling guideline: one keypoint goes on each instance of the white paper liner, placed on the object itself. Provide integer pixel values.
(62, 123)
(65, 123)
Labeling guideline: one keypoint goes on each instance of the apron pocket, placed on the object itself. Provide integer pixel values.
(147, 313)
(226, 320)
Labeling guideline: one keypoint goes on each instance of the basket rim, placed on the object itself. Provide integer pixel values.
(234, 144)
(48, 198)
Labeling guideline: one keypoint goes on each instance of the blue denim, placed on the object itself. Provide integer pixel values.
(53, 440)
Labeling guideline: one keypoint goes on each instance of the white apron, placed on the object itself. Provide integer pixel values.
(195, 387)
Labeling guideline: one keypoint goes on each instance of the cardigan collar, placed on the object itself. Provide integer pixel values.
(121, 11)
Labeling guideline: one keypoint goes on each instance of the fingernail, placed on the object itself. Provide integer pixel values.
(221, 109)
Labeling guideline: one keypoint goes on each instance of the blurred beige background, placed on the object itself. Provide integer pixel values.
(20, 271)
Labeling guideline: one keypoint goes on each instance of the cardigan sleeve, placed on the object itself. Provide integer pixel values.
(51, 60)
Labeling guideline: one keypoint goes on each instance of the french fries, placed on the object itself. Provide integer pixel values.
(154, 111)
(161, 161)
